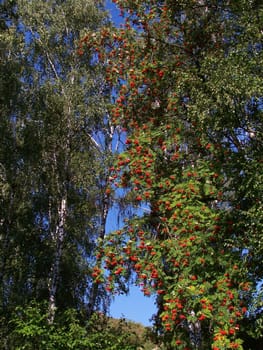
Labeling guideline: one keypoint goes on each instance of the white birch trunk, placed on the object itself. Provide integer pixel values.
(58, 237)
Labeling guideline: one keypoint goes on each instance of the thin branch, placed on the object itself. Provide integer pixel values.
(95, 143)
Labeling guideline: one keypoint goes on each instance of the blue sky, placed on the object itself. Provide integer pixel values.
(114, 12)
(135, 306)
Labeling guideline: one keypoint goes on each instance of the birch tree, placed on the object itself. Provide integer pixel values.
(60, 142)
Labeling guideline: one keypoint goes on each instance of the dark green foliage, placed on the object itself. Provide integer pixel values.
(53, 169)
(30, 330)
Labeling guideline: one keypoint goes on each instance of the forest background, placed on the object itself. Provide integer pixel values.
(158, 121)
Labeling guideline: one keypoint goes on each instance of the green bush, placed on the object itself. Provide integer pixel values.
(30, 330)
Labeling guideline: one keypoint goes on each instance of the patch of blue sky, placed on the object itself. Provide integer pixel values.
(114, 13)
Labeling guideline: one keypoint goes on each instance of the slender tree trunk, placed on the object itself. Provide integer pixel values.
(4, 248)
(5, 226)
(95, 287)
(105, 207)
(59, 237)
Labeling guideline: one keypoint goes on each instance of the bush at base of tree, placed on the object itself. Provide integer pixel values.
(31, 331)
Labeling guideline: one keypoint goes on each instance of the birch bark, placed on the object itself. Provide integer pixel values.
(58, 237)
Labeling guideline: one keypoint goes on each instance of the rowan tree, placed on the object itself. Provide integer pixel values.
(186, 76)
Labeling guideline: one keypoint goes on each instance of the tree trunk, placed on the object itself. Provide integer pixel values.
(94, 293)
(58, 238)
